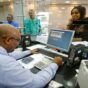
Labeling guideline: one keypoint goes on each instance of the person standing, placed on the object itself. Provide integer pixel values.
(76, 23)
(32, 25)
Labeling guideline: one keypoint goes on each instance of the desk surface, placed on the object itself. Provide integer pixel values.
(65, 75)
(80, 42)
(37, 57)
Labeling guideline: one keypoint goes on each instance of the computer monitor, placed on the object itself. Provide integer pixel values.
(60, 39)
(82, 77)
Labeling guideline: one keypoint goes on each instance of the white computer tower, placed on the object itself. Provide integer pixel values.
(83, 74)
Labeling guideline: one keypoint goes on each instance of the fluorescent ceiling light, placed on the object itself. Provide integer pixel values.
(67, 1)
(63, 8)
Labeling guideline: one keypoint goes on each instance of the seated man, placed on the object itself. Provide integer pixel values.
(12, 74)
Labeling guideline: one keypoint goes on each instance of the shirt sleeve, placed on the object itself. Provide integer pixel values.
(44, 76)
(39, 23)
(19, 54)
(18, 77)
(27, 26)
(17, 25)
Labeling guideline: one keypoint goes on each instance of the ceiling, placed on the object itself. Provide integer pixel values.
(43, 3)
(49, 2)
(60, 1)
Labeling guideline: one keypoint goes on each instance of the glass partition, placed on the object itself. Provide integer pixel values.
(58, 10)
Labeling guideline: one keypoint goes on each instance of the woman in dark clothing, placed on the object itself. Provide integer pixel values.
(84, 33)
(77, 20)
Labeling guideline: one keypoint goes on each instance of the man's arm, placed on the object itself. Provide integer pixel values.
(18, 77)
(20, 54)
(40, 27)
(17, 25)
(44, 76)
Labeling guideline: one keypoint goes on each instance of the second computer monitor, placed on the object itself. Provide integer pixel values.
(60, 39)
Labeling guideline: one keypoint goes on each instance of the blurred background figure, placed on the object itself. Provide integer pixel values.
(10, 20)
(32, 25)
(77, 21)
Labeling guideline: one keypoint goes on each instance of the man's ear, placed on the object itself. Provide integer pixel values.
(7, 41)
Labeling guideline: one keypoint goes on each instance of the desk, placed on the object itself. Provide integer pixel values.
(37, 57)
(80, 42)
(64, 75)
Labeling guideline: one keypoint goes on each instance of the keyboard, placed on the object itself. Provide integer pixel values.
(52, 53)
(43, 64)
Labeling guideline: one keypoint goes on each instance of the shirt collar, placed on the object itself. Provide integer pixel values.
(3, 51)
(33, 19)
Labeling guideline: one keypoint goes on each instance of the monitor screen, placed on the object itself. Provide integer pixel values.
(60, 39)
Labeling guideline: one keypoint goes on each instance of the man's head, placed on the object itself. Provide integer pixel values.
(9, 37)
(32, 14)
(10, 18)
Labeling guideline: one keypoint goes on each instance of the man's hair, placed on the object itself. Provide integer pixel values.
(4, 33)
(10, 15)
(31, 10)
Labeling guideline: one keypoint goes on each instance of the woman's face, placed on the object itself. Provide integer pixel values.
(75, 14)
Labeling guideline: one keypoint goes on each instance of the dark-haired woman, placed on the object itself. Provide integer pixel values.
(76, 23)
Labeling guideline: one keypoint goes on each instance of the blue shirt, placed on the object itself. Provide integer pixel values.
(13, 75)
(32, 26)
(13, 23)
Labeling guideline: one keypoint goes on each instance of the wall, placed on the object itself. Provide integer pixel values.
(57, 14)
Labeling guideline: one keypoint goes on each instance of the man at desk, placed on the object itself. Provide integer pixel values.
(12, 74)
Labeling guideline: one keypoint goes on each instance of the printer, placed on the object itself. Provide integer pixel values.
(82, 77)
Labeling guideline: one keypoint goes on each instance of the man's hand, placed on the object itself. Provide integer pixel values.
(34, 51)
(58, 60)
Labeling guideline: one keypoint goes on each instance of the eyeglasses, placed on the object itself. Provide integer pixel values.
(18, 40)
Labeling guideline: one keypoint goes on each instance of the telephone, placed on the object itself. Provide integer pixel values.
(25, 41)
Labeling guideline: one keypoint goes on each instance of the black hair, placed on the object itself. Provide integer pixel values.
(81, 9)
(10, 15)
